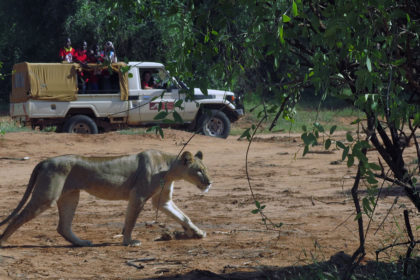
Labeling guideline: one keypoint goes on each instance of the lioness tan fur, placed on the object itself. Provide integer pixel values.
(135, 178)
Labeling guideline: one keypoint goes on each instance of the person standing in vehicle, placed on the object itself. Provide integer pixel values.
(95, 55)
(81, 54)
(67, 52)
(110, 54)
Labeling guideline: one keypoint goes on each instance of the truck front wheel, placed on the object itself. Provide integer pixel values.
(214, 123)
(80, 124)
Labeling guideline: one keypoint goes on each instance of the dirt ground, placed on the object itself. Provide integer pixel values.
(309, 195)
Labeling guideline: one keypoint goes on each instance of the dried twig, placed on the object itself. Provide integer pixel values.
(411, 244)
(263, 216)
(387, 214)
(412, 241)
(359, 254)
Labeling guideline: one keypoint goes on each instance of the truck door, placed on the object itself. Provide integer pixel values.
(155, 94)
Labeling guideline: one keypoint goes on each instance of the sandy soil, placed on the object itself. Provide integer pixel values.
(310, 195)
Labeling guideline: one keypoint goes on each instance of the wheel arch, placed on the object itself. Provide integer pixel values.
(88, 111)
(223, 107)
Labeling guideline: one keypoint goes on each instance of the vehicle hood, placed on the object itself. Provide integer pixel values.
(212, 93)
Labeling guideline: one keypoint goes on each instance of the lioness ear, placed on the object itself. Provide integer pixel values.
(187, 158)
(199, 155)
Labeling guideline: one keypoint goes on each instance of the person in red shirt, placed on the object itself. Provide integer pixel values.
(95, 56)
(67, 52)
(147, 81)
(81, 54)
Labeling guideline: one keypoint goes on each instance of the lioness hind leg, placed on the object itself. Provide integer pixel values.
(28, 213)
(67, 205)
(135, 205)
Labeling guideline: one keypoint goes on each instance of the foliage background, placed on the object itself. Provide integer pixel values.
(35, 30)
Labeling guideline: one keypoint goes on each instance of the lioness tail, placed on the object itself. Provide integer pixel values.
(26, 195)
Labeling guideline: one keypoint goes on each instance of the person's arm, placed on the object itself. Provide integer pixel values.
(62, 54)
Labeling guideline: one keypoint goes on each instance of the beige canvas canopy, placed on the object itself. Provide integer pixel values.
(54, 81)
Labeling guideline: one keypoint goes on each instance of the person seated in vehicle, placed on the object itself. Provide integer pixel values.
(147, 81)
(67, 52)
(81, 54)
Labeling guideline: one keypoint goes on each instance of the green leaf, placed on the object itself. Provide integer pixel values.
(294, 9)
(177, 117)
(371, 180)
(349, 137)
(255, 211)
(257, 203)
(366, 205)
(154, 98)
(304, 128)
(332, 129)
(345, 153)
(282, 41)
(350, 160)
(358, 216)
(368, 64)
(374, 166)
(305, 150)
(246, 134)
(327, 144)
(319, 127)
(157, 130)
(161, 115)
(130, 75)
(286, 18)
(178, 103)
(340, 144)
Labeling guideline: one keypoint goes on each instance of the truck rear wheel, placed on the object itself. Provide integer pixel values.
(81, 124)
(214, 123)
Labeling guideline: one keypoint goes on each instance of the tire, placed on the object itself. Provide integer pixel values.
(214, 123)
(80, 124)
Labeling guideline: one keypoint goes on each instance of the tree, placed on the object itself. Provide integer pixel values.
(31, 31)
(365, 52)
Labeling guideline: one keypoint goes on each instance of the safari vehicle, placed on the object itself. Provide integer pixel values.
(95, 98)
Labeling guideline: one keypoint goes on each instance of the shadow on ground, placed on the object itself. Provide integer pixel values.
(332, 269)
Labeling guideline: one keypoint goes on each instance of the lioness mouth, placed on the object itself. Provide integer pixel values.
(207, 188)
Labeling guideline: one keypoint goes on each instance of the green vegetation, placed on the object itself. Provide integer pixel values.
(7, 125)
(133, 131)
(305, 113)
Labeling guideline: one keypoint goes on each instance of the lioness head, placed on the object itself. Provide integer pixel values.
(194, 170)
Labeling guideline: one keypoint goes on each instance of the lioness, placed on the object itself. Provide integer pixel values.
(136, 178)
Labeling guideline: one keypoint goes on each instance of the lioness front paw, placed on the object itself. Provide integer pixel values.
(198, 233)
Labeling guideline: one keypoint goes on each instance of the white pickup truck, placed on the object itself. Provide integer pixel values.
(93, 98)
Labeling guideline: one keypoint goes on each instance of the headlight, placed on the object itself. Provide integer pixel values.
(230, 98)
